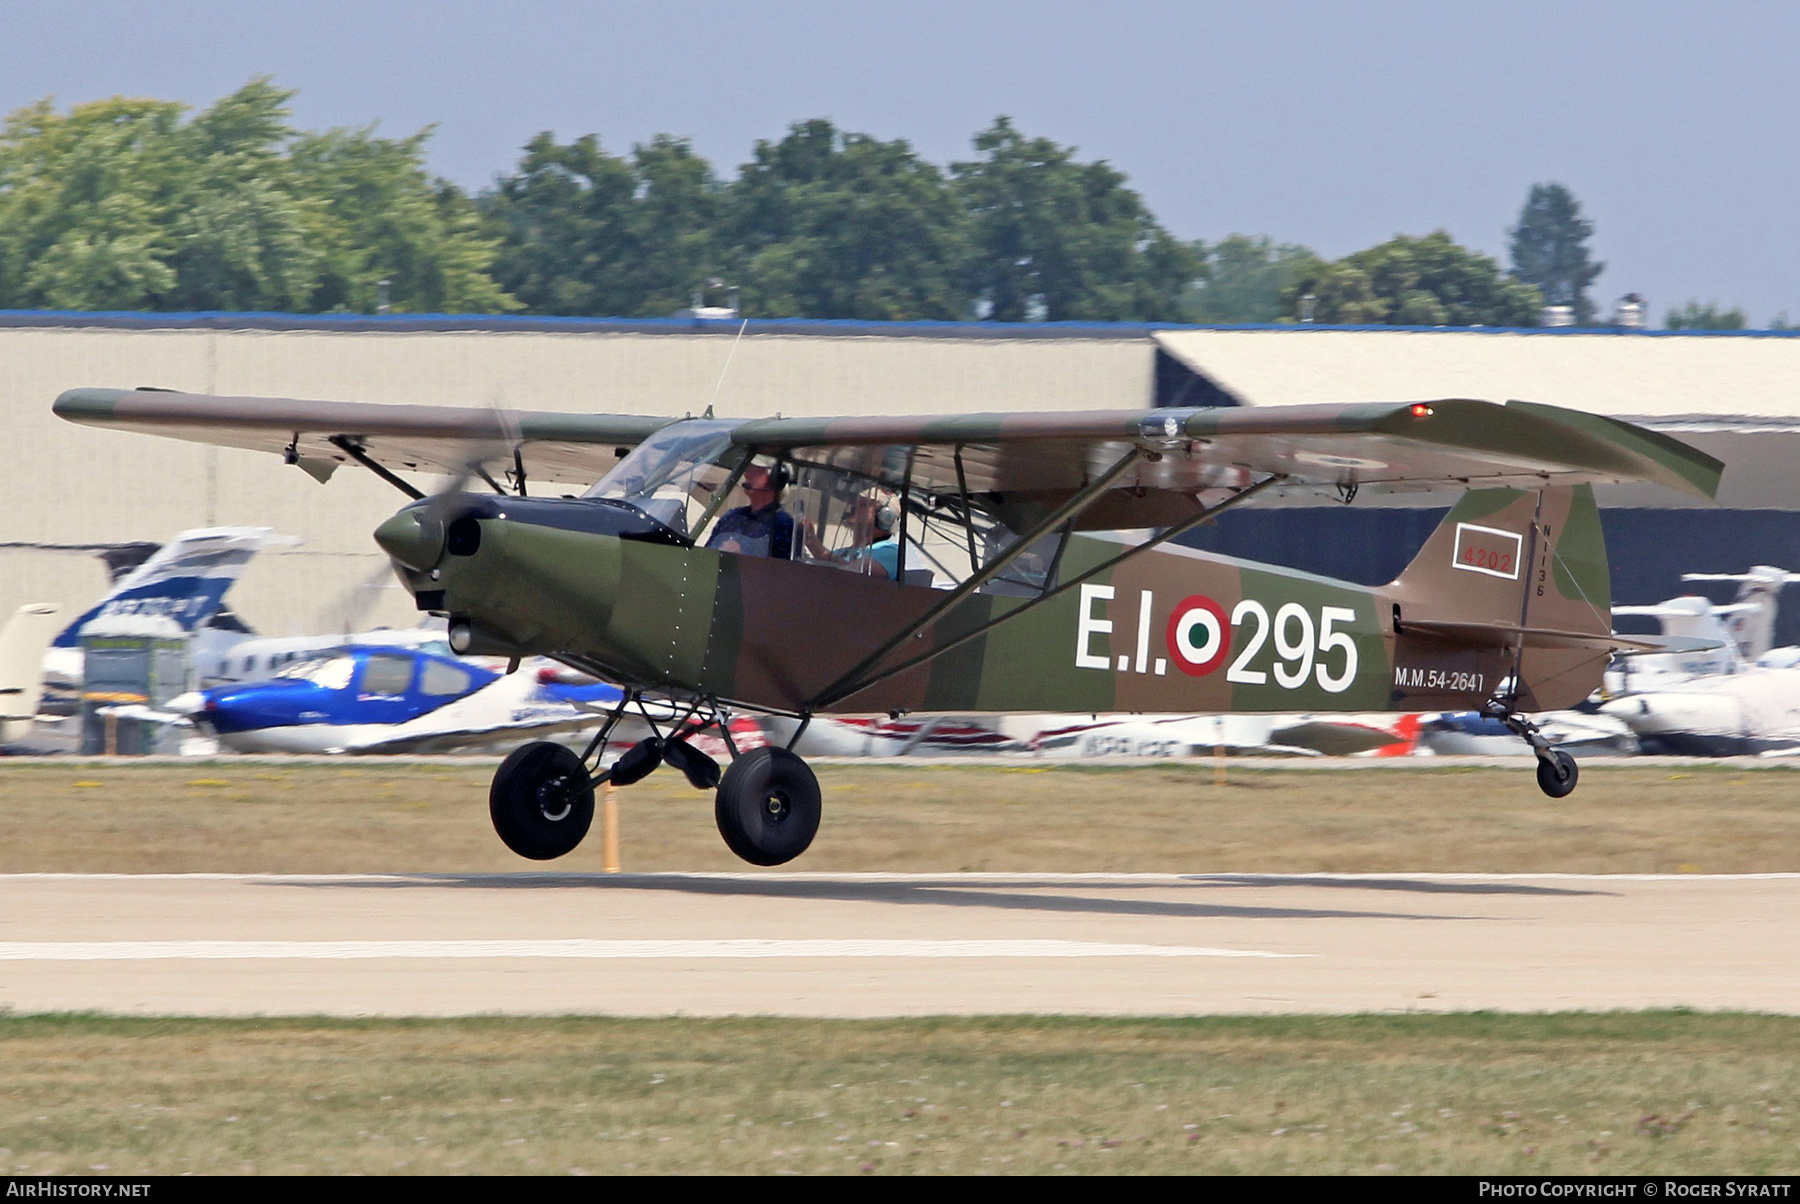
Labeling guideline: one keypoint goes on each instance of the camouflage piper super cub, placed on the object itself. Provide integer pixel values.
(806, 566)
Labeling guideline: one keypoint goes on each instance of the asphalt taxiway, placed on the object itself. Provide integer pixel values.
(888, 945)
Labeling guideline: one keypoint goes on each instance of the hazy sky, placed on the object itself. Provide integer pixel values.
(1336, 125)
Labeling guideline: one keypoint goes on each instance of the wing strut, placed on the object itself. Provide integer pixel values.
(1181, 528)
(354, 450)
(1084, 497)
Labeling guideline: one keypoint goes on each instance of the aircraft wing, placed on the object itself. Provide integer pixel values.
(1388, 447)
(568, 448)
(1027, 457)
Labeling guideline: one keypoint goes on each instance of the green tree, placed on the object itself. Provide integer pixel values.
(1429, 281)
(1549, 249)
(1708, 316)
(120, 205)
(587, 232)
(383, 218)
(1055, 239)
(86, 202)
(244, 237)
(830, 224)
(1243, 279)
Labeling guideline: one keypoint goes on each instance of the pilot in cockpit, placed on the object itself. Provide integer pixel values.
(762, 528)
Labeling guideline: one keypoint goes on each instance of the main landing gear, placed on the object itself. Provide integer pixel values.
(542, 800)
(1557, 772)
(767, 804)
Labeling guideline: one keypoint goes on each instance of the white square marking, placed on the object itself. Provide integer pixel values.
(1487, 550)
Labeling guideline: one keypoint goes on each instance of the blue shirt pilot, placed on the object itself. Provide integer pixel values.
(762, 528)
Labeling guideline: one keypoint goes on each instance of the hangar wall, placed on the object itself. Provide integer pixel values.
(85, 486)
(1641, 373)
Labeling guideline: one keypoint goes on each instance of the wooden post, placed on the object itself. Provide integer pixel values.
(609, 830)
(112, 736)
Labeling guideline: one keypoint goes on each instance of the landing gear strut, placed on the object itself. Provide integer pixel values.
(1556, 770)
(767, 805)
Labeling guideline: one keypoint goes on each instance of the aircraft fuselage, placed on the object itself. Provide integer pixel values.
(1171, 630)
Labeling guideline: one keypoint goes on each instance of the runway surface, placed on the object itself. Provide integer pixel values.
(887, 945)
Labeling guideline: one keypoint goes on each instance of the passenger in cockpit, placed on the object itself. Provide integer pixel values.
(762, 528)
(874, 547)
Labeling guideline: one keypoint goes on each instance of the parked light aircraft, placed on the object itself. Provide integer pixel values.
(22, 644)
(387, 699)
(1755, 711)
(1469, 733)
(258, 658)
(184, 582)
(942, 565)
(1742, 699)
(1098, 735)
(1234, 735)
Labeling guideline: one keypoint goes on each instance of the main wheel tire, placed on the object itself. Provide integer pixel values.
(1557, 774)
(541, 801)
(768, 806)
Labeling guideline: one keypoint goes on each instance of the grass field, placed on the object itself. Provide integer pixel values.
(365, 816)
(1610, 1094)
(1622, 1093)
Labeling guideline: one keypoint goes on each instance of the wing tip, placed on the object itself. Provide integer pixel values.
(85, 404)
(1661, 458)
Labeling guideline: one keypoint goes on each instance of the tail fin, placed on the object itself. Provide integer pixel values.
(1522, 570)
(183, 582)
(22, 644)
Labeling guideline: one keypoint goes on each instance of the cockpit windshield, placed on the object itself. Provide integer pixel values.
(674, 475)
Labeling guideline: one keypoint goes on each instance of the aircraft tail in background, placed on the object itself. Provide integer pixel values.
(184, 582)
(1750, 619)
(22, 644)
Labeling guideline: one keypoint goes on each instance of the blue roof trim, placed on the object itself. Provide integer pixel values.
(518, 323)
(1547, 331)
(840, 327)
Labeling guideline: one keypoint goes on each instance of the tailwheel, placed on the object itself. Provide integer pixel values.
(541, 801)
(1556, 773)
(1556, 770)
(768, 806)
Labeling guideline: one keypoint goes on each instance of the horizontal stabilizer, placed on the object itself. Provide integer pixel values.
(1511, 635)
(1669, 643)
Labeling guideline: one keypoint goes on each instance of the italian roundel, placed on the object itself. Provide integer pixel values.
(1198, 635)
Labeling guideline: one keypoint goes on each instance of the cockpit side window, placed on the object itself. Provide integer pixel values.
(386, 674)
(440, 679)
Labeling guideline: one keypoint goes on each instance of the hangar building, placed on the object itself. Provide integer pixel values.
(1737, 395)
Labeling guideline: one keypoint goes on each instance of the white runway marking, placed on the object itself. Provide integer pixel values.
(88, 951)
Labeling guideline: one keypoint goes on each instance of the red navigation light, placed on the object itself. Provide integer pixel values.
(1421, 411)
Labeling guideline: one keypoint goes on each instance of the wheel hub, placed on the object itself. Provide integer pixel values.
(775, 806)
(553, 800)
